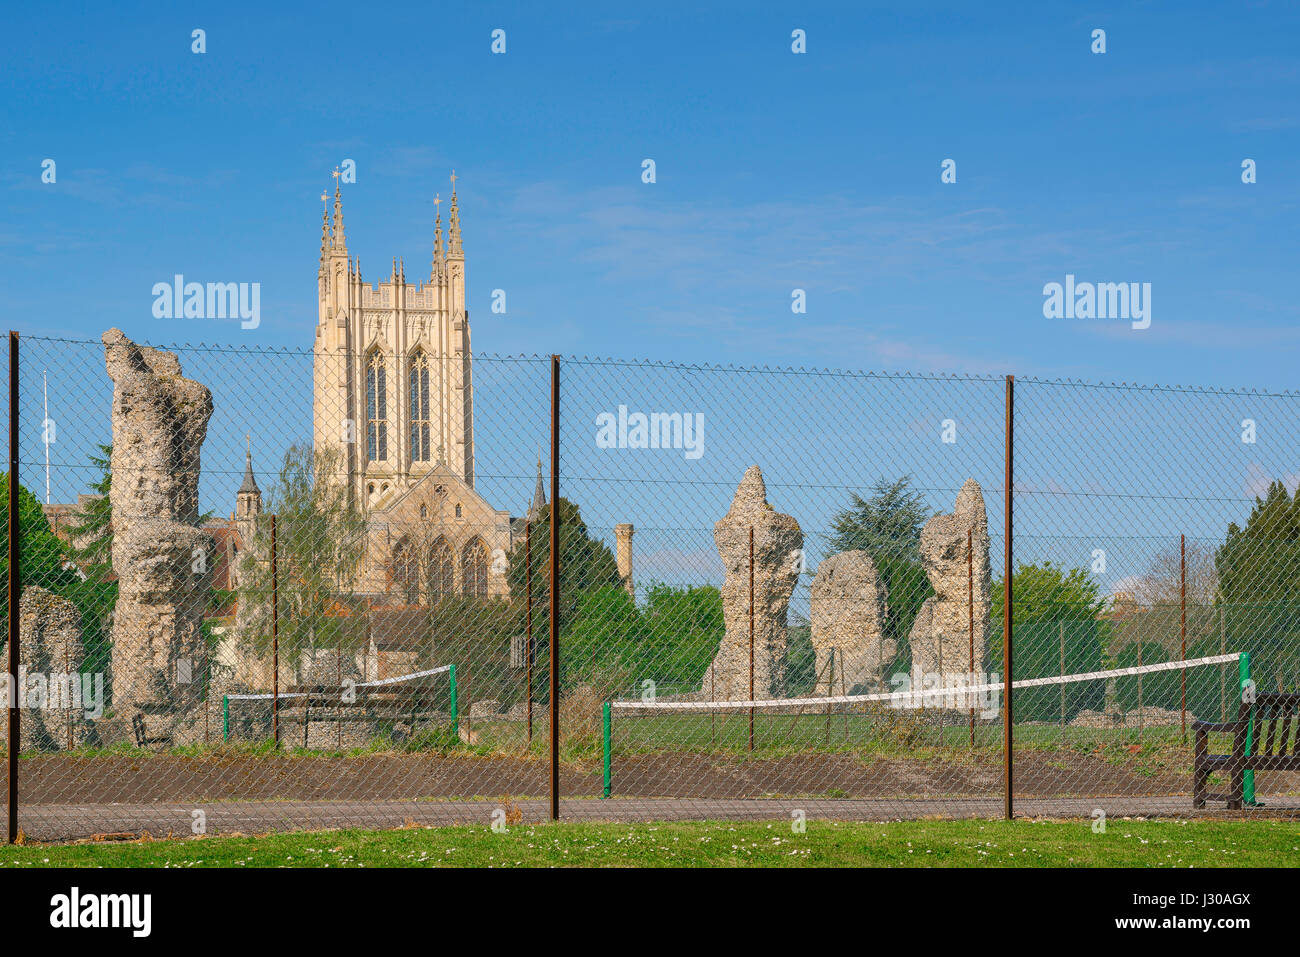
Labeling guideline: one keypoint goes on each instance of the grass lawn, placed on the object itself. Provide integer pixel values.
(1201, 843)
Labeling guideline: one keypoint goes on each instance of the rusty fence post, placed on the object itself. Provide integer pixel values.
(1008, 767)
(13, 738)
(528, 628)
(464, 672)
(1182, 628)
(970, 609)
(1060, 629)
(555, 588)
(751, 637)
(275, 640)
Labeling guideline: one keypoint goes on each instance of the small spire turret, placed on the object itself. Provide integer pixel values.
(340, 243)
(324, 230)
(439, 267)
(454, 248)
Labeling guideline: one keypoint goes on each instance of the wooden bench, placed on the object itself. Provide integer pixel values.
(1270, 723)
(143, 740)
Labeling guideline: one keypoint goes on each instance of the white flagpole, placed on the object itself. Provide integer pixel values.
(45, 430)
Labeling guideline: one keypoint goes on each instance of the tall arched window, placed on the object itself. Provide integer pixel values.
(417, 394)
(376, 407)
(474, 568)
(442, 570)
(406, 572)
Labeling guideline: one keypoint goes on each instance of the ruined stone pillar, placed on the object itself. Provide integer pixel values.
(848, 618)
(160, 555)
(58, 700)
(941, 635)
(778, 542)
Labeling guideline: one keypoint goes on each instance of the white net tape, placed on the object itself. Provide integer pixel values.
(360, 684)
(925, 695)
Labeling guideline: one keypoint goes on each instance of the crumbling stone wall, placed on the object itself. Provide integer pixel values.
(161, 556)
(51, 654)
(778, 541)
(848, 618)
(940, 636)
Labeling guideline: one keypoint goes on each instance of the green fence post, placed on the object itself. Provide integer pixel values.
(455, 721)
(609, 733)
(1248, 777)
(225, 717)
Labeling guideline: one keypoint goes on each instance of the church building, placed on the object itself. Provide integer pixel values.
(393, 395)
(393, 404)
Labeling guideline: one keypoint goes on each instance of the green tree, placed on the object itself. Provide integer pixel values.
(670, 640)
(887, 525)
(46, 560)
(1159, 689)
(801, 660)
(91, 534)
(42, 555)
(92, 530)
(1052, 606)
(604, 643)
(320, 543)
(683, 627)
(475, 634)
(586, 565)
(1259, 588)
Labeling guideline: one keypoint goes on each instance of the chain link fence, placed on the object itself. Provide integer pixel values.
(269, 589)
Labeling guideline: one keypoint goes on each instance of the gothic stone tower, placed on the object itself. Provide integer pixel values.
(392, 384)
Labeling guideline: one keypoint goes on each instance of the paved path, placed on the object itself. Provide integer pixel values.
(54, 822)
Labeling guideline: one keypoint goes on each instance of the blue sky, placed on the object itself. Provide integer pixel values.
(775, 171)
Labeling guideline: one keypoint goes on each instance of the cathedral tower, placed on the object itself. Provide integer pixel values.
(393, 392)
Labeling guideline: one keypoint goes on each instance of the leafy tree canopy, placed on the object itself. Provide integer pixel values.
(1259, 587)
(320, 543)
(887, 525)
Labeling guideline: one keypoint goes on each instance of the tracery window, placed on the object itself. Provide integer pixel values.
(474, 567)
(376, 407)
(417, 394)
(442, 569)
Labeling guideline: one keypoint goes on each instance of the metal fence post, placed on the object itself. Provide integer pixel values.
(275, 641)
(1007, 737)
(14, 738)
(1182, 627)
(751, 637)
(970, 611)
(607, 740)
(1060, 625)
(528, 628)
(454, 711)
(555, 588)
(1223, 687)
(1247, 777)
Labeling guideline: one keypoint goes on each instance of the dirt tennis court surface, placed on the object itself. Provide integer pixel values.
(65, 798)
(58, 779)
